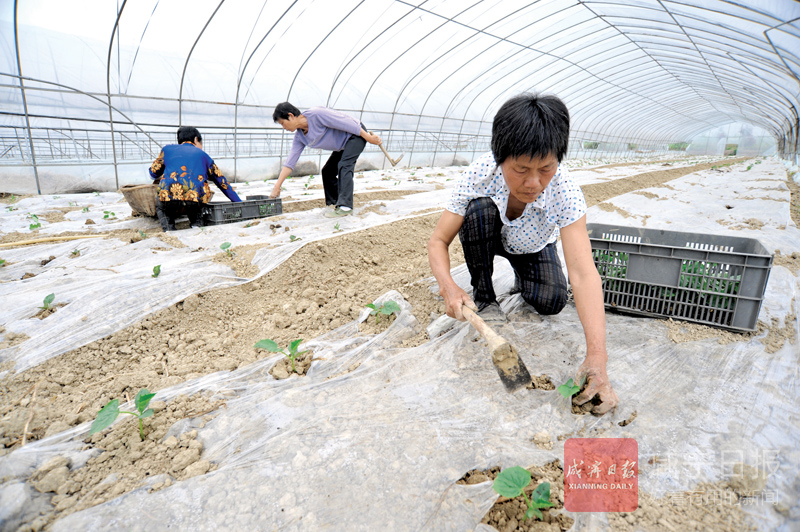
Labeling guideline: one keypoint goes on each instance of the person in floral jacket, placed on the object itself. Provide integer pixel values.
(184, 171)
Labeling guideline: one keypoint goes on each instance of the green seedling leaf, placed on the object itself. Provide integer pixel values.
(143, 399)
(105, 417)
(269, 345)
(75, 252)
(568, 389)
(156, 270)
(510, 482)
(142, 234)
(109, 413)
(108, 215)
(293, 238)
(85, 209)
(47, 301)
(272, 346)
(386, 309)
(390, 307)
(225, 246)
(337, 229)
(2, 263)
(36, 224)
(96, 193)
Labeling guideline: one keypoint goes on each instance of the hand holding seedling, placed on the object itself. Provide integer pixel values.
(272, 347)
(388, 308)
(593, 371)
(109, 413)
(512, 482)
(569, 388)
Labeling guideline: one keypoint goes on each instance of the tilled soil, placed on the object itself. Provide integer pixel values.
(321, 287)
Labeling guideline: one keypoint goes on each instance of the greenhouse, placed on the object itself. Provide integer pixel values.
(285, 355)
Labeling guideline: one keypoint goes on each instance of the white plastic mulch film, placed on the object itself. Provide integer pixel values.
(90, 94)
(377, 434)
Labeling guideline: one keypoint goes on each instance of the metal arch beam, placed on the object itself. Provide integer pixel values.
(108, 90)
(239, 84)
(24, 99)
(186, 63)
(431, 32)
(291, 86)
(497, 42)
(585, 4)
(341, 71)
(545, 53)
(92, 96)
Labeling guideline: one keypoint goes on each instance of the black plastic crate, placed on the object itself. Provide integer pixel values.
(709, 279)
(249, 209)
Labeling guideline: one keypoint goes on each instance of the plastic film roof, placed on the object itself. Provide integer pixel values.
(112, 80)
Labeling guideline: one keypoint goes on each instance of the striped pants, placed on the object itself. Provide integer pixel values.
(538, 275)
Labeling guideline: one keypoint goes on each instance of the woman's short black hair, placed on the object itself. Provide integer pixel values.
(283, 109)
(530, 125)
(188, 134)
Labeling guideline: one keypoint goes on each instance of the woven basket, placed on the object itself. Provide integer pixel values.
(141, 198)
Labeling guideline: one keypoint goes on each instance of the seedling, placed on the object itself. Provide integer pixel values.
(109, 413)
(142, 234)
(226, 247)
(388, 308)
(96, 193)
(2, 263)
(56, 197)
(156, 271)
(337, 229)
(13, 198)
(73, 204)
(272, 347)
(75, 252)
(36, 223)
(749, 167)
(568, 389)
(108, 215)
(85, 209)
(512, 482)
(9, 209)
(47, 300)
(293, 238)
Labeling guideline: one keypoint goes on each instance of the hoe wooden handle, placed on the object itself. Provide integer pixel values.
(494, 339)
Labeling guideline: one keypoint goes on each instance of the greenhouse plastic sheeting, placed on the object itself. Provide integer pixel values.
(381, 446)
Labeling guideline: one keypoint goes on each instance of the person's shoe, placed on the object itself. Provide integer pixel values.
(338, 212)
(491, 313)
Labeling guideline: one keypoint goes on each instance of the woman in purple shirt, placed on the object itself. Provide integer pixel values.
(325, 129)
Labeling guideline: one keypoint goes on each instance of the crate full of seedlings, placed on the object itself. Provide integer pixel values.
(251, 208)
(714, 280)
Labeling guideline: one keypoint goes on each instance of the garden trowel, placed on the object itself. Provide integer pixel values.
(386, 153)
(505, 358)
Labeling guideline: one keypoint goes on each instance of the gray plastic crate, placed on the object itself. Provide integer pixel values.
(249, 209)
(709, 279)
